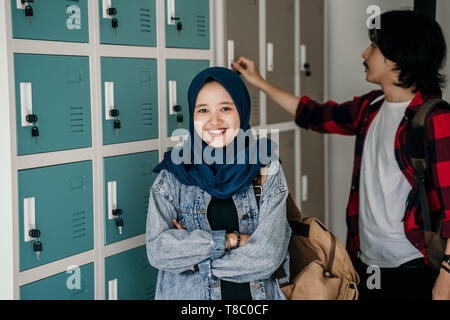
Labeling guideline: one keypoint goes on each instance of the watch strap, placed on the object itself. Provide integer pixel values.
(446, 259)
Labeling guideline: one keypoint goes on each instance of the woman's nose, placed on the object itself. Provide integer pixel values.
(365, 53)
(215, 118)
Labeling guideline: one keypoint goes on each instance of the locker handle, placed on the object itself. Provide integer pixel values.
(107, 5)
(302, 57)
(172, 97)
(112, 289)
(269, 56)
(109, 99)
(112, 198)
(26, 103)
(305, 194)
(230, 45)
(171, 18)
(29, 215)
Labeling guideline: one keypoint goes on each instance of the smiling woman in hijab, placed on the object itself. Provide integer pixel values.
(205, 231)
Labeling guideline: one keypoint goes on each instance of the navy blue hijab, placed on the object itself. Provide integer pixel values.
(225, 177)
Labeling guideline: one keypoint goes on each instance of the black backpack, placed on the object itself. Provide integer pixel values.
(416, 141)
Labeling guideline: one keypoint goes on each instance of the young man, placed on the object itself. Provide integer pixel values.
(385, 226)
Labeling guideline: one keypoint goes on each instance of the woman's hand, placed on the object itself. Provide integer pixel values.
(177, 224)
(233, 239)
(248, 69)
(231, 236)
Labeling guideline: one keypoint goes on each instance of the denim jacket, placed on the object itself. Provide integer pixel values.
(174, 251)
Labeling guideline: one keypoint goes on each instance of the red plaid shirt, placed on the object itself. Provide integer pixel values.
(354, 118)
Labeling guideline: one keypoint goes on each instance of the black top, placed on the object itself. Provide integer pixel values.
(222, 215)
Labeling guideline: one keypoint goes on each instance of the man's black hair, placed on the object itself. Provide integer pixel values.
(414, 41)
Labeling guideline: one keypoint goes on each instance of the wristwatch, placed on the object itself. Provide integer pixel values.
(446, 259)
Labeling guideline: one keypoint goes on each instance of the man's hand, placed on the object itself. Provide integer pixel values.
(441, 289)
(248, 69)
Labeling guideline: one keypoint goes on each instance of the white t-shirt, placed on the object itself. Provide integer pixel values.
(383, 194)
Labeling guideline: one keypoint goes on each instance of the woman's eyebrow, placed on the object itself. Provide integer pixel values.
(205, 104)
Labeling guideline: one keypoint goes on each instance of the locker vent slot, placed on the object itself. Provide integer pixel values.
(79, 224)
(76, 120)
(254, 115)
(144, 20)
(201, 26)
(147, 114)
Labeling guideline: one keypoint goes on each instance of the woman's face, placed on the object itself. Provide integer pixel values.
(216, 119)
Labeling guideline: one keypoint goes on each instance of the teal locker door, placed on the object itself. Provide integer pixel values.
(128, 179)
(75, 284)
(129, 86)
(58, 20)
(56, 90)
(187, 24)
(136, 22)
(129, 276)
(179, 76)
(58, 201)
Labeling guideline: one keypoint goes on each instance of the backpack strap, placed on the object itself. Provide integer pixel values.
(281, 277)
(416, 140)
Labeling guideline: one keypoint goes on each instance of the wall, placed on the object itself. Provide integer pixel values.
(443, 12)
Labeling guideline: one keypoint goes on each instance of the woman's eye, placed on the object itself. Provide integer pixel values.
(226, 108)
(202, 110)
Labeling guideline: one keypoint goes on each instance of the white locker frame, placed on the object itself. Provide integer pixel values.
(10, 277)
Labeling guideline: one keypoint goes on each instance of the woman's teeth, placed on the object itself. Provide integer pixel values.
(217, 132)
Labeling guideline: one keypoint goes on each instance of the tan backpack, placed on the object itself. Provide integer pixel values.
(320, 267)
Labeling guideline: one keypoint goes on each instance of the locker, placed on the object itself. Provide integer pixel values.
(128, 179)
(57, 201)
(286, 152)
(58, 20)
(136, 22)
(77, 283)
(280, 53)
(130, 86)
(243, 15)
(187, 24)
(312, 143)
(179, 76)
(129, 276)
(56, 90)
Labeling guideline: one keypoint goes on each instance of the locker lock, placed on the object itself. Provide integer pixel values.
(119, 224)
(177, 108)
(31, 118)
(28, 8)
(37, 245)
(114, 22)
(117, 212)
(114, 113)
(111, 11)
(307, 68)
(116, 124)
(179, 23)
